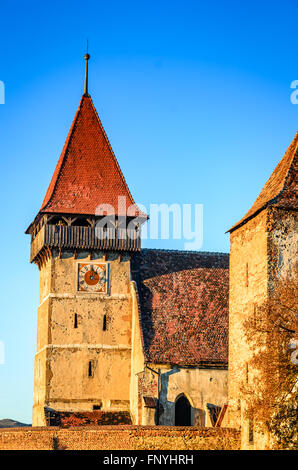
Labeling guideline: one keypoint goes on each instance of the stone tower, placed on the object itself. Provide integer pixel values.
(263, 247)
(82, 239)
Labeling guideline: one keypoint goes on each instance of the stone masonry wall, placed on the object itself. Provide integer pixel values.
(263, 251)
(282, 244)
(120, 438)
(248, 290)
(65, 349)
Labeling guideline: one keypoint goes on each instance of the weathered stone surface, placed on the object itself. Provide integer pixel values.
(64, 351)
(120, 437)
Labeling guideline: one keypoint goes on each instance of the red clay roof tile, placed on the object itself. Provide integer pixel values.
(183, 303)
(87, 173)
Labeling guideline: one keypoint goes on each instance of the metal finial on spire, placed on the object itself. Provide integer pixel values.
(86, 57)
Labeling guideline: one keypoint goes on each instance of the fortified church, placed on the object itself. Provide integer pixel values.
(142, 336)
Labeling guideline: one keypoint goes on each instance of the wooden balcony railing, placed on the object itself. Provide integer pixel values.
(89, 238)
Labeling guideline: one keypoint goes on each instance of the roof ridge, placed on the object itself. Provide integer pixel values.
(275, 186)
(293, 148)
(63, 159)
(190, 252)
(111, 149)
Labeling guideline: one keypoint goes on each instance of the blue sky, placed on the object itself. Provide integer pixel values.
(195, 99)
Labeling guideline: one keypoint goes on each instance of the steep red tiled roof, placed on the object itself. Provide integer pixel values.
(183, 300)
(281, 188)
(87, 173)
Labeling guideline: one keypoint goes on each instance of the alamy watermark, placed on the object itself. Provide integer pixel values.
(2, 92)
(174, 221)
(2, 353)
(294, 94)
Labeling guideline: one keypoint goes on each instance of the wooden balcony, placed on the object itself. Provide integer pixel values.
(84, 238)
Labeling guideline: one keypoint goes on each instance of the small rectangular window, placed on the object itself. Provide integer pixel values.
(104, 323)
(75, 320)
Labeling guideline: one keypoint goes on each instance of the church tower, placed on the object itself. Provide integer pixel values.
(263, 249)
(81, 240)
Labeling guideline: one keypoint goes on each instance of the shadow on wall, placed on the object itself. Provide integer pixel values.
(181, 412)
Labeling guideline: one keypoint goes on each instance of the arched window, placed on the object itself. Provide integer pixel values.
(182, 412)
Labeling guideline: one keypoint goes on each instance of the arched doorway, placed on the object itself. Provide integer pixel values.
(182, 412)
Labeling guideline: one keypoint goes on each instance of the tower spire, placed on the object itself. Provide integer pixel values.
(86, 57)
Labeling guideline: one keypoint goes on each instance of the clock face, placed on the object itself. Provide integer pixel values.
(92, 277)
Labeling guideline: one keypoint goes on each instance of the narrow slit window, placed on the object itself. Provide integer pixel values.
(90, 369)
(104, 322)
(254, 320)
(250, 431)
(246, 281)
(75, 320)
